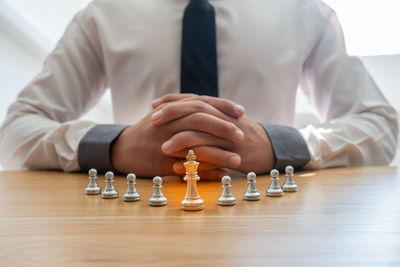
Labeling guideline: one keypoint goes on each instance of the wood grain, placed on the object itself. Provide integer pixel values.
(346, 216)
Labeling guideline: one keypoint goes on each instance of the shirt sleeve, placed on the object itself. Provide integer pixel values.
(358, 125)
(41, 129)
(288, 146)
(95, 147)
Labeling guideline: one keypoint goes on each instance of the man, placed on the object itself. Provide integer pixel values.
(251, 54)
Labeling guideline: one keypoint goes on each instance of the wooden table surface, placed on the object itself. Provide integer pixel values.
(344, 216)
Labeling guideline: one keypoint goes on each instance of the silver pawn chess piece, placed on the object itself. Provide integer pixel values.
(192, 200)
(274, 189)
(131, 193)
(93, 187)
(109, 191)
(289, 185)
(252, 192)
(226, 198)
(157, 199)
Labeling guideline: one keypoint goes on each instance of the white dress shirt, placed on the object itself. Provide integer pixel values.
(266, 49)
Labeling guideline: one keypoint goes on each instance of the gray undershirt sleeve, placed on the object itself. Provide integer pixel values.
(95, 147)
(288, 145)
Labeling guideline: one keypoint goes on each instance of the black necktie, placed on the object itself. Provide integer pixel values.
(199, 72)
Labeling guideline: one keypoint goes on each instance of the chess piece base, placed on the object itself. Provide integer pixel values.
(231, 201)
(192, 205)
(93, 191)
(112, 194)
(252, 196)
(275, 193)
(290, 188)
(158, 202)
(131, 197)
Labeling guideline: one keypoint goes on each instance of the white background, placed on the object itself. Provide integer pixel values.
(30, 28)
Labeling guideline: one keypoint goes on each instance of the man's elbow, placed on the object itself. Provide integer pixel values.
(391, 139)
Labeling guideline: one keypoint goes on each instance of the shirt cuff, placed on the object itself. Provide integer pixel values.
(288, 145)
(95, 147)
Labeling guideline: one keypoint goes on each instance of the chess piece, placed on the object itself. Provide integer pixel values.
(192, 200)
(274, 189)
(289, 185)
(131, 193)
(109, 190)
(252, 192)
(226, 198)
(157, 199)
(93, 187)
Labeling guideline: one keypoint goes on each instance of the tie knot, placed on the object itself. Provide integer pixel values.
(199, 2)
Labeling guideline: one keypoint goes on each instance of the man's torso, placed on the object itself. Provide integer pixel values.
(261, 47)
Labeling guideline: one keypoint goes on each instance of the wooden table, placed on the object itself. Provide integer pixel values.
(348, 216)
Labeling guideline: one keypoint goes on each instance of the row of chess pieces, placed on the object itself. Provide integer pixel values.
(158, 198)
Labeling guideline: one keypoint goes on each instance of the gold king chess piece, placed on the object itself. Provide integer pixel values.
(192, 201)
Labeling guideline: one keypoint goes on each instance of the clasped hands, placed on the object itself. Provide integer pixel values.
(217, 129)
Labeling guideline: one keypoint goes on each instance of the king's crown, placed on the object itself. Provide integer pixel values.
(191, 164)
